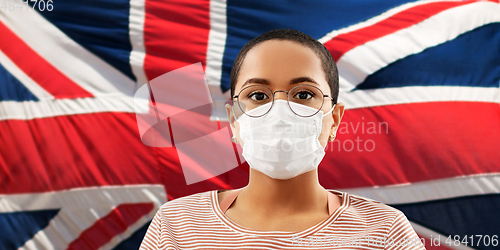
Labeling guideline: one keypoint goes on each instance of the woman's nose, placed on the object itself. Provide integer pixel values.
(280, 95)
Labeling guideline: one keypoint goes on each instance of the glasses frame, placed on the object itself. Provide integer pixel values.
(287, 100)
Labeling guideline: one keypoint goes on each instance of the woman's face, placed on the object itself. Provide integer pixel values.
(279, 62)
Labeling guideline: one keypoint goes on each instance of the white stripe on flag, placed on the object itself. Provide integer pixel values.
(358, 63)
(378, 18)
(432, 190)
(33, 87)
(130, 230)
(136, 34)
(81, 66)
(65, 228)
(88, 197)
(80, 209)
(216, 41)
(406, 95)
(215, 54)
(30, 110)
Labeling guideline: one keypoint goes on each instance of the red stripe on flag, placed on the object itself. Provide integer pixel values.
(424, 141)
(175, 35)
(114, 223)
(37, 68)
(406, 143)
(64, 152)
(342, 43)
(88, 150)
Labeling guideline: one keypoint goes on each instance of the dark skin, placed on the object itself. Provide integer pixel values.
(298, 203)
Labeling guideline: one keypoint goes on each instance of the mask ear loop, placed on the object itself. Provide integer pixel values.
(330, 110)
(234, 115)
(329, 138)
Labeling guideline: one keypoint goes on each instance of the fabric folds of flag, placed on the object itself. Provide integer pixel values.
(420, 81)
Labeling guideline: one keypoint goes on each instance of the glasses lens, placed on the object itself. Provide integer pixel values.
(306, 95)
(251, 98)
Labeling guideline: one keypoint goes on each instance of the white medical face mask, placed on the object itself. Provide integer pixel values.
(282, 144)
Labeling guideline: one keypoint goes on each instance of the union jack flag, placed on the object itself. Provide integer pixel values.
(420, 81)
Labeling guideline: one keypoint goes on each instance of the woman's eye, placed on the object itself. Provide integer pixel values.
(304, 95)
(258, 96)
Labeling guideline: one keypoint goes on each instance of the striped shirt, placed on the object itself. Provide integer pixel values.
(197, 222)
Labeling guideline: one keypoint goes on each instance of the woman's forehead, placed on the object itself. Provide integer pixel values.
(280, 61)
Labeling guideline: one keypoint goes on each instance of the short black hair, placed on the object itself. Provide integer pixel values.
(327, 62)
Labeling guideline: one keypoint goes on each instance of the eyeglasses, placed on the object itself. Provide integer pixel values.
(255, 96)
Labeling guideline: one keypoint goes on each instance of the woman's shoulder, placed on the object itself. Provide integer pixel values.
(365, 212)
(197, 201)
(364, 205)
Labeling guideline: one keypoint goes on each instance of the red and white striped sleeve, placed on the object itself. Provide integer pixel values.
(152, 238)
(402, 236)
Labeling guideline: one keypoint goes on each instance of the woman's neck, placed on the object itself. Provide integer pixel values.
(266, 195)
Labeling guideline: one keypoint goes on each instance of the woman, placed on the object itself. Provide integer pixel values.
(284, 88)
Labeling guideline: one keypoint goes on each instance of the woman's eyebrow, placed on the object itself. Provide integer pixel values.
(292, 82)
(256, 80)
(303, 79)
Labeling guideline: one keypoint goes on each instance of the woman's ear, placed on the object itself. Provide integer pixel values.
(337, 114)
